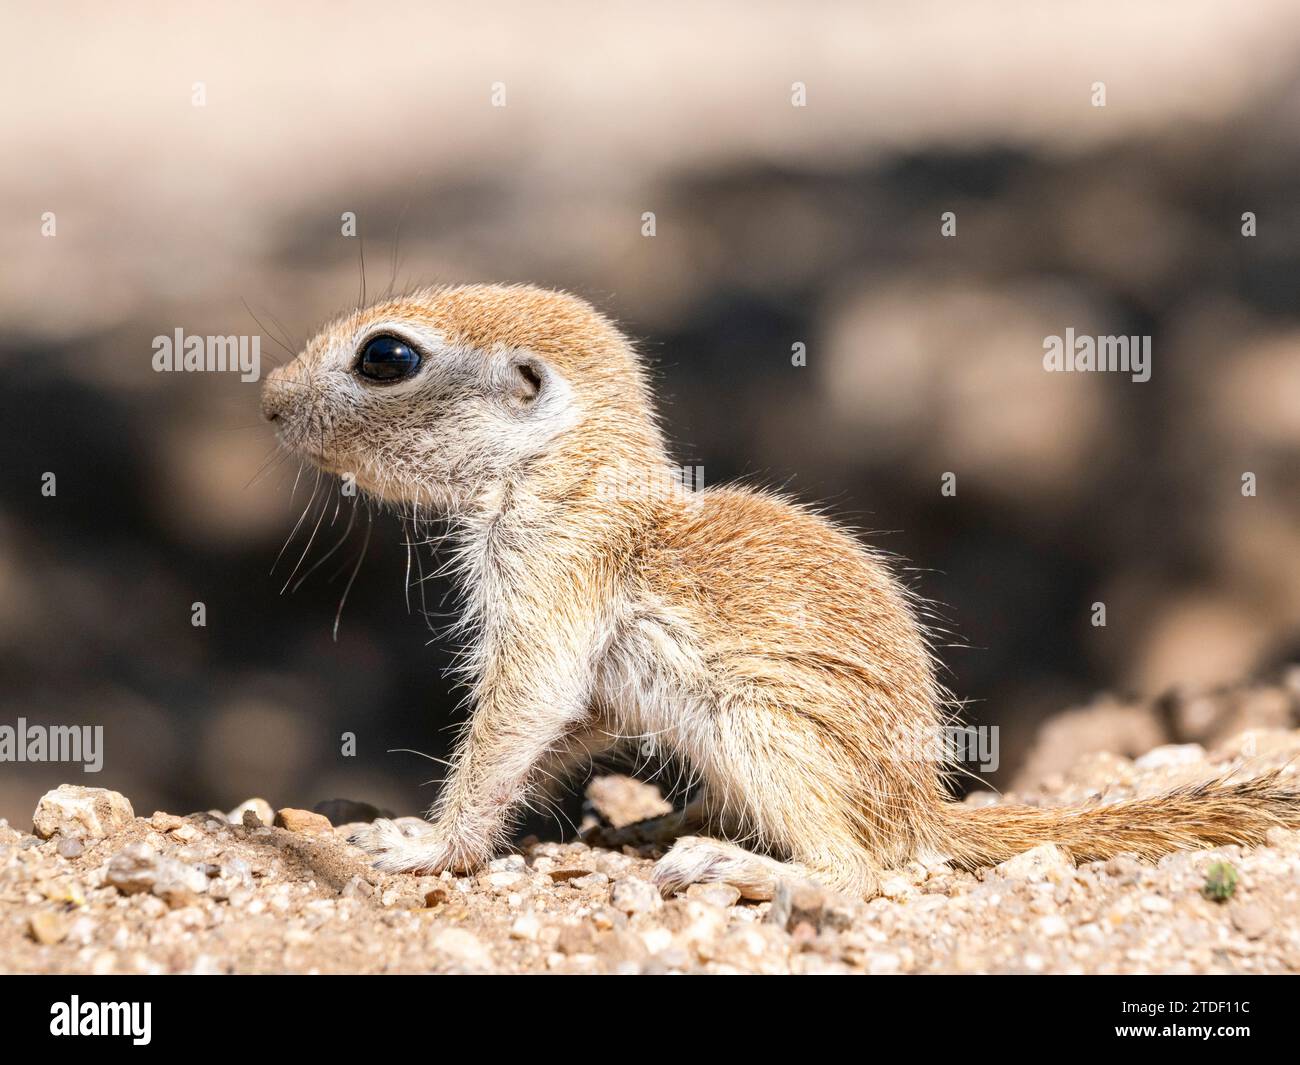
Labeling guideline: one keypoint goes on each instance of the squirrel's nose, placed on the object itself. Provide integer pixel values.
(275, 394)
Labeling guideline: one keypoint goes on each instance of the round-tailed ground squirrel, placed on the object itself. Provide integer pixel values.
(752, 641)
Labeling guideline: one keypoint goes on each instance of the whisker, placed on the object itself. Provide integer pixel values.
(325, 505)
(408, 750)
(283, 331)
(328, 554)
(305, 511)
(364, 546)
(397, 239)
(361, 241)
(273, 458)
(260, 325)
(407, 587)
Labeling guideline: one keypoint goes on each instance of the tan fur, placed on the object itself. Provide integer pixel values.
(755, 643)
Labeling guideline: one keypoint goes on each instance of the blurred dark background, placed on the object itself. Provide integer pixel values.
(775, 225)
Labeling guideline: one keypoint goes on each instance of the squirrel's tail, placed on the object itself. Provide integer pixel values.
(1213, 814)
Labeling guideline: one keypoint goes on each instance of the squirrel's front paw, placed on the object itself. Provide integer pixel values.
(425, 855)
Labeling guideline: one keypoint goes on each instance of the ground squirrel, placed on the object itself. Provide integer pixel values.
(753, 641)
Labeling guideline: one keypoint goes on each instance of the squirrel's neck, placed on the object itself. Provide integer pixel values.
(566, 526)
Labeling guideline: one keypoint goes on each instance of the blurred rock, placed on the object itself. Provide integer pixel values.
(259, 808)
(1251, 921)
(70, 847)
(634, 895)
(1045, 862)
(301, 820)
(623, 800)
(797, 901)
(462, 950)
(576, 938)
(138, 868)
(1109, 729)
(47, 927)
(723, 895)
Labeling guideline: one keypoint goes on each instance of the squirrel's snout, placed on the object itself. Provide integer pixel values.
(275, 395)
(271, 407)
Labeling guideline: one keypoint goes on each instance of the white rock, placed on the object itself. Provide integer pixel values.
(260, 807)
(1171, 754)
(895, 887)
(133, 869)
(1044, 862)
(656, 939)
(635, 896)
(506, 881)
(1052, 926)
(704, 925)
(88, 813)
(741, 947)
(187, 833)
(526, 927)
(180, 884)
(723, 895)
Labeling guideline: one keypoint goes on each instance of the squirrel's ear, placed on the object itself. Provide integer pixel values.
(528, 375)
(534, 391)
(536, 397)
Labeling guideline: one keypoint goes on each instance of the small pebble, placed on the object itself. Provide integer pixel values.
(526, 926)
(47, 927)
(723, 895)
(301, 821)
(1251, 921)
(633, 895)
(70, 847)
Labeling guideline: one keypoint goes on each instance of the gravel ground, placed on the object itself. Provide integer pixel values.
(100, 890)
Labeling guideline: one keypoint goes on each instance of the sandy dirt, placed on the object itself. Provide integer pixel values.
(111, 892)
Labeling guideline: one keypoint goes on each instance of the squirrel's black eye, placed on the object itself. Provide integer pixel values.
(386, 358)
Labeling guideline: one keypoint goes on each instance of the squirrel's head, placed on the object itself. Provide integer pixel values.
(440, 396)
